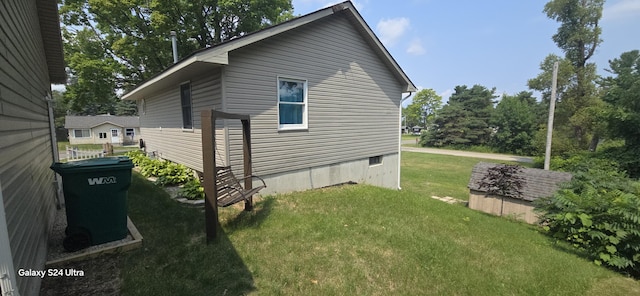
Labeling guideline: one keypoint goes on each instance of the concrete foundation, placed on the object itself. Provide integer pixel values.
(384, 174)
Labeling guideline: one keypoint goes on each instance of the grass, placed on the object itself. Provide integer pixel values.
(62, 146)
(354, 240)
(409, 137)
(440, 175)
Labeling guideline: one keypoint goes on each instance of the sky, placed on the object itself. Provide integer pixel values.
(494, 43)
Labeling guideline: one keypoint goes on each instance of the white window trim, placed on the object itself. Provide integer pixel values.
(80, 129)
(133, 132)
(305, 115)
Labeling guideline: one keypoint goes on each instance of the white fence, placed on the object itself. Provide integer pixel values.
(73, 153)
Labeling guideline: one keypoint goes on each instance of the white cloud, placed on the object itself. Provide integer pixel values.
(415, 47)
(622, 10)
(390, 30)
(445, 95)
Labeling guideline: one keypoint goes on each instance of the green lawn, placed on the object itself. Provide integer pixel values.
(409, 137)
(440, 175)
(355, 240)
(62, 146)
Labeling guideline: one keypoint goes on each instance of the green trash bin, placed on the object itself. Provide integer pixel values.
(95, 192)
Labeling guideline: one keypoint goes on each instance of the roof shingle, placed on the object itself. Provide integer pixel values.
(537, 182)
(93, 121)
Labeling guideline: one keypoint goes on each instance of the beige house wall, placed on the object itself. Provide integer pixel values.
(94, 136)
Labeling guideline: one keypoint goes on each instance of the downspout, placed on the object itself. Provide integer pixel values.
(54, 148)
(400, 137)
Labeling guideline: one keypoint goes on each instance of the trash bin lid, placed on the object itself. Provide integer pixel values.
(93, 164)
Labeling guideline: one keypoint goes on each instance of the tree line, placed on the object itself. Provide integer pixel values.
(589, 109)
(113, 45)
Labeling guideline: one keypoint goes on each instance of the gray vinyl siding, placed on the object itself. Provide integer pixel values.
(25, 141)
(161, 121)
(353, 98)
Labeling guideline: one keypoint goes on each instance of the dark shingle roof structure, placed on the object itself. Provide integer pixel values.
(93, 121)
(537, 182)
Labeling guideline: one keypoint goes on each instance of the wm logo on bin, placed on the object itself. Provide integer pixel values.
(102, 180)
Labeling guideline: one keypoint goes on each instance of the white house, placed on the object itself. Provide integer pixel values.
(322, 92)
(100, 129)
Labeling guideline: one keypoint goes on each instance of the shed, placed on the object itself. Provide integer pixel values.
(537, 183)
(322, 93)
(31, 59)
(100, 129)
(416, 130)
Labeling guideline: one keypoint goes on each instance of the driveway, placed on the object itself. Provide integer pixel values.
(493, 156)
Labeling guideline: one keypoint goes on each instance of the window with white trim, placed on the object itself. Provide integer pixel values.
(292, 104)
(102, 135)
(185, 101)
(129, 132)
(81, 133)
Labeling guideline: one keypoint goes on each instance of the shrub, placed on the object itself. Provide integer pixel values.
(166, 172)
(137, 156)
(504, 180)
(192, 190)
(599, 213)
(173, 174)
(152, 167)
(627, 157)
(579, 163)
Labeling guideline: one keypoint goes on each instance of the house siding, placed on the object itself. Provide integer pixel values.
(353, 99)
(94, 137)
(26, 153)
(161, 121)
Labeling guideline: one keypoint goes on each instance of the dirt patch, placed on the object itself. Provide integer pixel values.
(98, 276)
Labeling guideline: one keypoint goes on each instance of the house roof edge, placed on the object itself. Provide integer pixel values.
(218, 54)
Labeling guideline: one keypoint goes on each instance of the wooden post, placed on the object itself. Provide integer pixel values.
(208, 128)
(246, 149)
(209, 172)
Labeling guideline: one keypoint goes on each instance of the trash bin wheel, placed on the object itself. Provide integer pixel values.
(77, 241)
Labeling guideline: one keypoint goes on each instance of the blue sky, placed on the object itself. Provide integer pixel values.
(494, 43)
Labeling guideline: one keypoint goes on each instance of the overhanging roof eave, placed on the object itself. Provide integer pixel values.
(196, 60)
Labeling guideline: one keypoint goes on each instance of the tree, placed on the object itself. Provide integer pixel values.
(622, 93)
(59, 108)
(126, 108)
(464, 120)
(542, 82)
(129, 39)
(515, 120)
(578, 37)
(424, 107)
(92, 89)
(411, 115)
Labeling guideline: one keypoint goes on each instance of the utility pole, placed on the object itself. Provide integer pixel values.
(552, 108)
